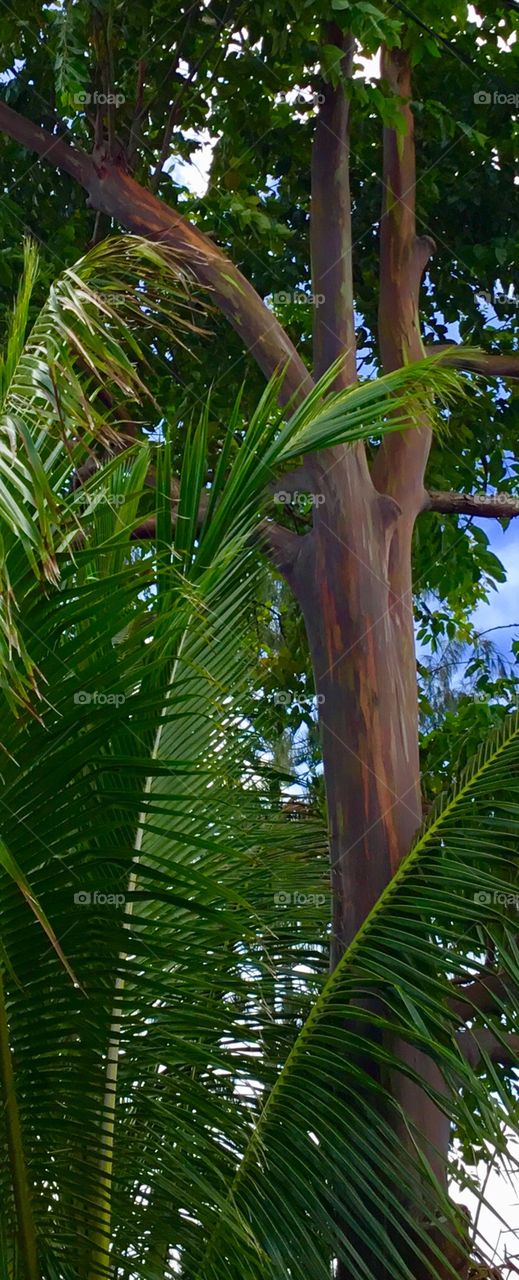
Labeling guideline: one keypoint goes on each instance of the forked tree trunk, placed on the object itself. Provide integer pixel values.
(353, 577)
(352, 573)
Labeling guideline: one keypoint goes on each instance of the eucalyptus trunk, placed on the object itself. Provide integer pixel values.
(353, 576)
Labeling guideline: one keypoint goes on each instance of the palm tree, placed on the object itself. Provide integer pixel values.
(174, 1098)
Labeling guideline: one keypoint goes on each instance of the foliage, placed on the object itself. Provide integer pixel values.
(450, 903)
(207, 650)
(168, 866)
(242, 80)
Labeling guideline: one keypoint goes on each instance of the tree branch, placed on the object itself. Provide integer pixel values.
(491, 362)
(475, 1045)
(116, 193)
(53, 149)
(501, 505)
(485, 993)
(332, 265)
(281, 545)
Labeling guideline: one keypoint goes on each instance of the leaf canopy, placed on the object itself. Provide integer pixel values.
(158, 1094)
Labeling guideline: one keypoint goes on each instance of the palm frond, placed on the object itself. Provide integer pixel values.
(145, 783)
(138, 809)
(352, 1190)
(89, 338)
(392, 402)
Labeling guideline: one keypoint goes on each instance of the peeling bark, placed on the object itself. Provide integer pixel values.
(399, 470)
(361, 640)
(330, 234)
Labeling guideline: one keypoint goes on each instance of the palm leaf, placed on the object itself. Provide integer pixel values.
(146, 782)
(53, 386)
(90, 779)
(352, 1189)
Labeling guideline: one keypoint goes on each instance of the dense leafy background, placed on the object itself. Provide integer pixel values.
(221, 73)
(242, 78)
(190, 1026)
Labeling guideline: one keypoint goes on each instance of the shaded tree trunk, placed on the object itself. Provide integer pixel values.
(361, 642)
(353, 577)
(360, 630)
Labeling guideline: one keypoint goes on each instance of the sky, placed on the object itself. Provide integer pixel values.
(502, 611)
(502, 1193)
(503, 608)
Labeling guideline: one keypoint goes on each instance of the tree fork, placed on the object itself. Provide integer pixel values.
(352, 572)
(352, 580)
